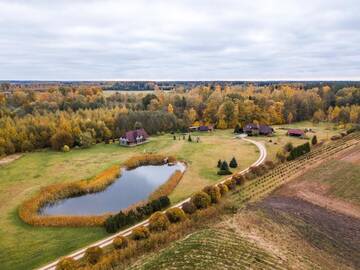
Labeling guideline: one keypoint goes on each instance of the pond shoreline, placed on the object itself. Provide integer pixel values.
(29, 209)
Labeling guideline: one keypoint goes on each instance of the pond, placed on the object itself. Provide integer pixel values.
(131, 187)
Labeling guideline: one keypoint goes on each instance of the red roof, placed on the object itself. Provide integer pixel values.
(296, 132)
(132, 134)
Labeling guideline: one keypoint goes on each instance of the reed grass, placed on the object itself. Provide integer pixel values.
(29, 210)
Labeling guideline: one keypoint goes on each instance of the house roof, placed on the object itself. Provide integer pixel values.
(266, 129)
(251, 126)
(132, 134)
(296, 131)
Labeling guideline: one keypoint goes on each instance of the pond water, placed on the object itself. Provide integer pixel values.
(131, 187)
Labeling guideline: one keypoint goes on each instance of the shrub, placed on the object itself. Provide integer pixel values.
(219, 163)
(233, 163)
(176, 215)
(158, 222)
(221, 172)
(189, 208)
(230, 183)
(120, 242)
(201, 200)
(250, 176)
(269, 164)
(66, 149)
(239, 179)
(223, 189)
(299, 151)
(121, 219)
(140, 233)
(93, 254)
(66, 264)
(281, 156)
(224, 169)
(61, 138)
(288, 147)
(224, 166)
(213, 192)
(314, 140)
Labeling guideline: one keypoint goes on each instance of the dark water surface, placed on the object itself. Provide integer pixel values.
(131, 187)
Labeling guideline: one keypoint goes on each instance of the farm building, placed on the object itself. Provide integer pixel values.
(134, 137)
(295, 132)
(255, 129)
(202, 128)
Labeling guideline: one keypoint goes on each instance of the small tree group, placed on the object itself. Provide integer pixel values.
(314, 140)
(121, 219)
(238, 129)
(233, 163)
(224, 169)
(299, 151)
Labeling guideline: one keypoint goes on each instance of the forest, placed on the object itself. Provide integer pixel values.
(82, 115)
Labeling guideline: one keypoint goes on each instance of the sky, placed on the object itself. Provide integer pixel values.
(180, 40)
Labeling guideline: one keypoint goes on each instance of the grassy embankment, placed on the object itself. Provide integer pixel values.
(24, 247)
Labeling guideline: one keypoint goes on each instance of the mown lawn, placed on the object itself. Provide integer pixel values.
(25, 247)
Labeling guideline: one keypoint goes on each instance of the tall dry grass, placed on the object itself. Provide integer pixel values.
(166, 188)
(147, 159)
(29, 210)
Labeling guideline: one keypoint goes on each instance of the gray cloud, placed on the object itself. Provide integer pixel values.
(186, 40)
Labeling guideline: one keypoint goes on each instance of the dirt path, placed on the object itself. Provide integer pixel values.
(8, 159)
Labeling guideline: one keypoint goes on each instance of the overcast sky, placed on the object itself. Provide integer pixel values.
(179, 40)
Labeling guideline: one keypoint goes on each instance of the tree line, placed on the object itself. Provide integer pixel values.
(84, 115)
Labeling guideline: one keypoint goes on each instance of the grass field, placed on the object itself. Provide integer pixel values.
(24, 177)
(281, 231)
(323, 132)
(212, 249)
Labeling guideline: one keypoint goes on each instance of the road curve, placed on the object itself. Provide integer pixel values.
(107, 241)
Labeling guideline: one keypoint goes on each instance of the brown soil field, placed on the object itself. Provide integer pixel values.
(305, 225)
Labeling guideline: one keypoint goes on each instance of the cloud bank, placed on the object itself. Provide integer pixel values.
(179, 40)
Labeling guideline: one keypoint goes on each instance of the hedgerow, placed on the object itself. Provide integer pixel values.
(239, 179)
(201, 200)
(158, 222)
(66, 264)
(189, 207)
(114, 223)
(299, 151)
(120, 242)
(93, 254)
(140, 233)
(176, 215)
(230, 183)
(223, 189)
(213, 192)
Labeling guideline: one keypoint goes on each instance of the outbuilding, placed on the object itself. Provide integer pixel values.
(295, 132)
